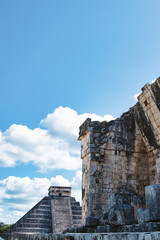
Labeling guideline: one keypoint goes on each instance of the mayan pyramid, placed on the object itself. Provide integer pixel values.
(53, 214)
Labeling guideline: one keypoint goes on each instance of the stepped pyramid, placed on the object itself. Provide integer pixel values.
(53, 214)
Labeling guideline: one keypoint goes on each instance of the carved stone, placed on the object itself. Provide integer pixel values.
(123, 154)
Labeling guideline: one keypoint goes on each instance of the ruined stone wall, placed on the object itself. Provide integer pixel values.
(122, 155)
(147, 115)
(87, 236)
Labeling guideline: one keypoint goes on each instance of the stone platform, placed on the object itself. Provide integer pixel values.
(88, 236)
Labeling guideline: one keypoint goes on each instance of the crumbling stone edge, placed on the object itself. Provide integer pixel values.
(87, 236)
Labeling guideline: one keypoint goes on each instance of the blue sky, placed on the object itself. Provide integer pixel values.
(88, 57)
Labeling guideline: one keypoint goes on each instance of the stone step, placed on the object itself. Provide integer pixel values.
(40, 211)
(75, 204)
(40, 220)
(36, 215)
(45, 202)
(77, 217)
(76, 212)
(43, 216)
(34, 225)
(43, 207)
(31, 230)
(75, 207)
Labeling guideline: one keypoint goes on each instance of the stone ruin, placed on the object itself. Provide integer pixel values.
(53, 214)
(119, 159)
(120, 176)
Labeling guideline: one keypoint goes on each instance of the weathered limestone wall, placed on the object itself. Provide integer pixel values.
(122, 155)
(147, 114)
(88, 236)
(111, 164)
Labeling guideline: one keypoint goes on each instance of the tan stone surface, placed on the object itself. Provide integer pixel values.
(121, 155)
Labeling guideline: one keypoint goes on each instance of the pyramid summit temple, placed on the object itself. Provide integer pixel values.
(53, 214)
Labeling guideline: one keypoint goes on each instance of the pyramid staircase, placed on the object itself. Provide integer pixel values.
(66, 213)
(61, 218)
(37, 220)
(76, 212)
(53, 214)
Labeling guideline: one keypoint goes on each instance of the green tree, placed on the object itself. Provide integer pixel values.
(4, 227)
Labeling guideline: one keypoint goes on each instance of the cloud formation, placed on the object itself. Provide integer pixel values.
(21, 194)
(1, 215)
(66, 121)
(53, 145)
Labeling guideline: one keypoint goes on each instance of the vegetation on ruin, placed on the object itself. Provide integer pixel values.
(4, 227)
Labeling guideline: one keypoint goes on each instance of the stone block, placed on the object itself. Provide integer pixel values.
(119, 198)
(142, 227)
(141, 215)
(148, 215)
(152, 195)
(91, 221)
(121, 214)
(103, 229)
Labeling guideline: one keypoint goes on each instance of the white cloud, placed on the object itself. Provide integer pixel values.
(1, 215)
(76, 182)
(12, 216)
(67, 121)
(55, 147)
(21, 194)
(136, 96)
(21, 144)
(108, 117)
(60, 181)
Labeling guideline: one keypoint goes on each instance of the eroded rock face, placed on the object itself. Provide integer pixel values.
(121, 214)
(148, 215)
(152, 211)
(123, 154)
(120, 210)
(152, 195)
(119, 198)
(91, 221)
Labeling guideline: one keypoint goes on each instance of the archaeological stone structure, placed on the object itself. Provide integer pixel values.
(120, 181)
(53, 214)
(119, 159)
